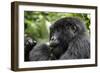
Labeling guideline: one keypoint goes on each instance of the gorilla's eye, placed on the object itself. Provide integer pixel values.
(73, 28)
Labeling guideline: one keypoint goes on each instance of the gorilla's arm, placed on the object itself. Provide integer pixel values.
(78, 49)
(40, 52)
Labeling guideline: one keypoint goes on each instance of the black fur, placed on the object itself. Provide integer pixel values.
(40, 52)
(69, 39)
(28, 45)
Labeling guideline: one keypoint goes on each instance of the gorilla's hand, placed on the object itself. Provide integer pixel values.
(40, 52)
(28, 45)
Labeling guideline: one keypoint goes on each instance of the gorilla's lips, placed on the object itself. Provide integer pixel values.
(54, 43)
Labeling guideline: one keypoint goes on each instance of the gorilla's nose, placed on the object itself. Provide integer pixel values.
(53, 38)
(54, 42)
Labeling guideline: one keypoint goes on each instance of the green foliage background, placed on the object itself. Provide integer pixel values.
(36, 23)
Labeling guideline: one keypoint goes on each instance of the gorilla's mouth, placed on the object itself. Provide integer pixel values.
(54, 45)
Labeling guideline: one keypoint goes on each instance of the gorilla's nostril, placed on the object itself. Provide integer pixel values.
(53, 38)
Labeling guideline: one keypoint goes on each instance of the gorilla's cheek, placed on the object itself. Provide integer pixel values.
(67, 36)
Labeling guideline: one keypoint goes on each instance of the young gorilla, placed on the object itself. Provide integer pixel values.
(69, 40)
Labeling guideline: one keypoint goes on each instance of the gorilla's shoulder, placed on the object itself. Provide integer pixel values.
(80, 42)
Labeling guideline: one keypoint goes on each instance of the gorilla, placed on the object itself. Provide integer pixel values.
(69, 39)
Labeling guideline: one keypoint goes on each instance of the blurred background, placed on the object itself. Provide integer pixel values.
(36, 24)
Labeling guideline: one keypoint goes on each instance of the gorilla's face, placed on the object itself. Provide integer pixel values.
(61, 33)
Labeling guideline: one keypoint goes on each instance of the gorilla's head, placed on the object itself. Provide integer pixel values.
(63, 31)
